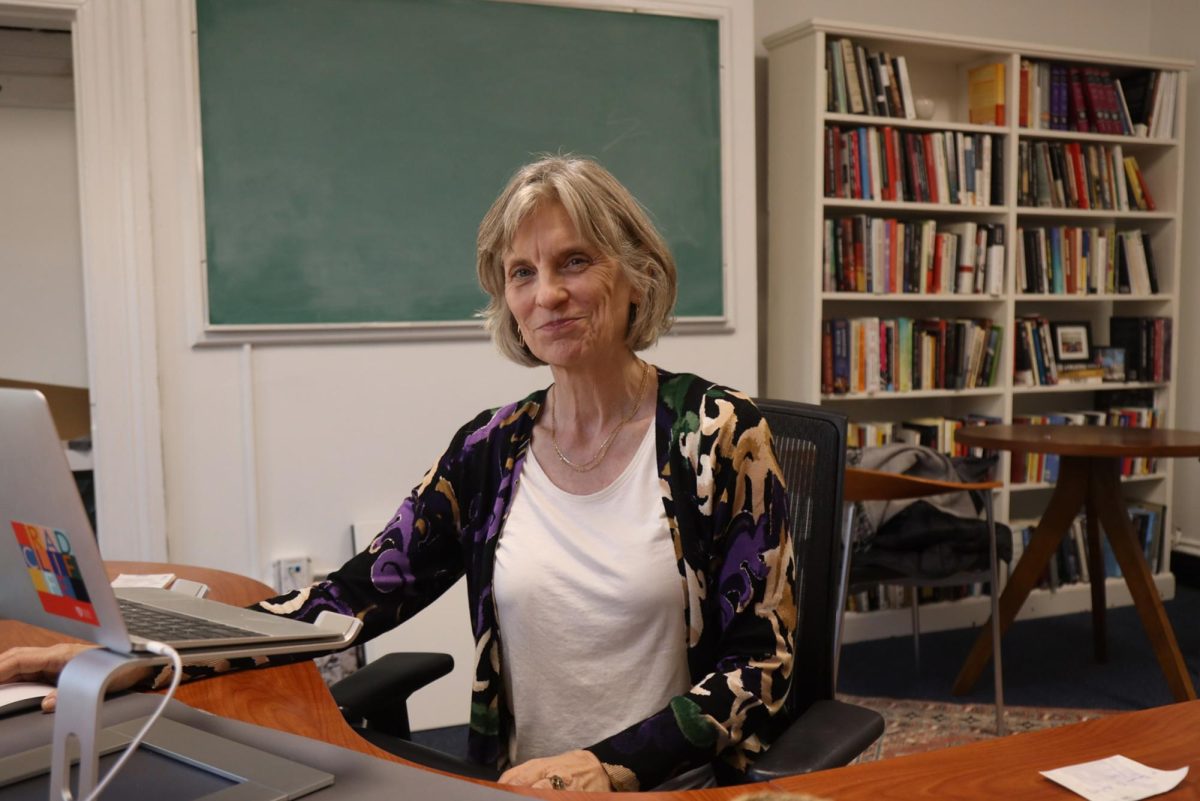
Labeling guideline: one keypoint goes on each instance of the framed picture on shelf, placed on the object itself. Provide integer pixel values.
(1112, 360)
(1072, 343)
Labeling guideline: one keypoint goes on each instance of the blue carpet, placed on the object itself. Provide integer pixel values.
(1047, 662)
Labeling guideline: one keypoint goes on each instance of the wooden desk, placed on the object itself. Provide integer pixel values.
(290, 698)
(1089, 479)
(294, 699)
(1007, 768)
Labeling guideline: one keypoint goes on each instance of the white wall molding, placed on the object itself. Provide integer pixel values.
(118, 273)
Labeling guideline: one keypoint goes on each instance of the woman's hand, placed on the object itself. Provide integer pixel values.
(45, 663)
(576, 770)
(39, 664)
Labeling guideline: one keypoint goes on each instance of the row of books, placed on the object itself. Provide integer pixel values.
(869, 354)
(1070, 564)
(1091, 99)
(1068, 175)
(887, 164)
(937, 433)
(883, 255)
(1070, 260)
(1036, 468)
(861, 82)
(1147, 342)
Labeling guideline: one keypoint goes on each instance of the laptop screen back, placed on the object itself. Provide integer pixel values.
(51, 573)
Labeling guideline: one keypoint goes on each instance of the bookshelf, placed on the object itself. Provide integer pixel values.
(798, 296)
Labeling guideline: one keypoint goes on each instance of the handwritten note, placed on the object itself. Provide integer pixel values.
(1115, 779)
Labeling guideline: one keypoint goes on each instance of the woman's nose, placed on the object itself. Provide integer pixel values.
(551, 291)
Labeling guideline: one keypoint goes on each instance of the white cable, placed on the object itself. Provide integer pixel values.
(161, 649)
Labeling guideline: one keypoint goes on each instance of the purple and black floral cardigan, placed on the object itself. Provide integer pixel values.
(726, 509)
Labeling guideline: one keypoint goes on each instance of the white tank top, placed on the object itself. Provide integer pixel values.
(590, 605)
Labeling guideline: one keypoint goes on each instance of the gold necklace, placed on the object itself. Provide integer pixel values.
(594, 462)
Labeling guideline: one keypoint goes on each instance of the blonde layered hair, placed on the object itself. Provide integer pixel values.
(607, 216)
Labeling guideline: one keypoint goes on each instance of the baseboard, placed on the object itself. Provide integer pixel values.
(1186, 567)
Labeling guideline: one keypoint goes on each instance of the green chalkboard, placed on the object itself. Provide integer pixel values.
(352, 146)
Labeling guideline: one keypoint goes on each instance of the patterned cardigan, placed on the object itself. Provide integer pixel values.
(727, 512)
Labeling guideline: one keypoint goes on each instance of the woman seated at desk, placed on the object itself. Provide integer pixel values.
(623, 532)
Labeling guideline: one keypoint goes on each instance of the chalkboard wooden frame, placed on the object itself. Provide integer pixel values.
(205, 332)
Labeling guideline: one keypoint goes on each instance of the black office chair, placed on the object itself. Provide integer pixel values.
(810, 444)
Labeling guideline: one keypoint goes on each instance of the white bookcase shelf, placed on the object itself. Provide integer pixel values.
(797, 300)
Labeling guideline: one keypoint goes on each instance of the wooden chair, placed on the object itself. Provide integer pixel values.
(875, 485)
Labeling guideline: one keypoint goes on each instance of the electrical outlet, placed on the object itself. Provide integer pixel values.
(293, 573)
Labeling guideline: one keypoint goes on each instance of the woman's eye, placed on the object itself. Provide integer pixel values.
(578, 260)
(519, 273)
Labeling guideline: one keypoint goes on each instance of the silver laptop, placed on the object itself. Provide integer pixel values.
(52, 575)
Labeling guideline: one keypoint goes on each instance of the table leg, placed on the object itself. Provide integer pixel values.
(1069, 495)
(1095, 558)
(1105, 496)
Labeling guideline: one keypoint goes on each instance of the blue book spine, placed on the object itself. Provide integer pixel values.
(864, 158)
(841, 355)
(1056, 265)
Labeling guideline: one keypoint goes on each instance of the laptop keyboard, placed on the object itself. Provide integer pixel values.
(159, 624)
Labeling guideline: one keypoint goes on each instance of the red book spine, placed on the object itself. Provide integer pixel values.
(1077, 116)
(1137, 170)
(1080, 170)
(1096, 112)
(856, 187)
(892, 190)
(914, 189)
(1108, 91)
(934, 279)
(931, 167)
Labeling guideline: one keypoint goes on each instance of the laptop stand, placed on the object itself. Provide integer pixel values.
(82, 687)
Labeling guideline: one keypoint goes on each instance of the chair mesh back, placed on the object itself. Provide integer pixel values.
(810, 446)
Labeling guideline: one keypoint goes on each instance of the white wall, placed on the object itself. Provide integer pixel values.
(1174, 24)
(42, 325)
(1116, 25)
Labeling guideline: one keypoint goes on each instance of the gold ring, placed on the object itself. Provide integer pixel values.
(557, 782)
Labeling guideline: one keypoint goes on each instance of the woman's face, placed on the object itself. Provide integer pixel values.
(570, 301)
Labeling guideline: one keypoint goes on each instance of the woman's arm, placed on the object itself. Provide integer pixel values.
(749, 599)
(416, 557)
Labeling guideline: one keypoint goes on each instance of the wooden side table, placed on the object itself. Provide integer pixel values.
(1089, 479)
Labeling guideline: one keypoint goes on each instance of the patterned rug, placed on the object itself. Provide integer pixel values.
(913, 726)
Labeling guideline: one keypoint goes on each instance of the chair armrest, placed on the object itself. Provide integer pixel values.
(828, 735)
(429, 757)
(379, 691)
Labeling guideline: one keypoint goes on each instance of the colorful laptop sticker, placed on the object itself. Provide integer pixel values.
(54, 572)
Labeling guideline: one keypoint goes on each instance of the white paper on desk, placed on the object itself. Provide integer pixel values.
(160, 580)
(1117, 778)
